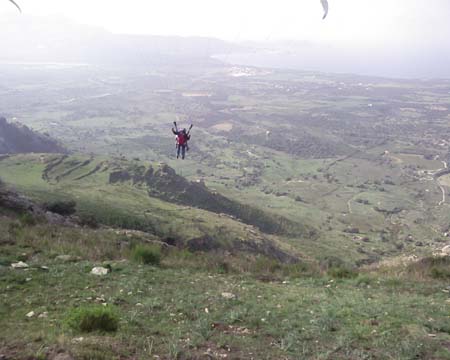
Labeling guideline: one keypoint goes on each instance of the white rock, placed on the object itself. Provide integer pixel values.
(68, 258)
(446, 250)
(19, 265)
(228, 295)
(43, 315)
(99, 270)
(30, 314)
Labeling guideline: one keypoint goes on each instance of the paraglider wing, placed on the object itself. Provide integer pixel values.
(17, 6)
(325, 8)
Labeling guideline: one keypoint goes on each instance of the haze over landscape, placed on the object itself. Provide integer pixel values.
(304, 213)
(384, 38)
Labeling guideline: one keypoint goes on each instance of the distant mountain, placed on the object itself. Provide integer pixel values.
(54, 39)
(15, 138)
(427, 62)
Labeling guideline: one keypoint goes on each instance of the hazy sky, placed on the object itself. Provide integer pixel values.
(369, 22)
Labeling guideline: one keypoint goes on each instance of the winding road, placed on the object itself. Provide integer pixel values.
(440, 186)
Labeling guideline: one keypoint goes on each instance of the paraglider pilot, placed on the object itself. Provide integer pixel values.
(183, 136)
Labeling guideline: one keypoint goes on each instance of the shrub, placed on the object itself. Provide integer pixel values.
(89, 221)
(341, 272)
(61, 207)
(435, 267)
(27, 219)
(93, 318)
(147, 254)
(331, 262)
(364, 280)
(299, 269)
(440, 273)
(266, 265)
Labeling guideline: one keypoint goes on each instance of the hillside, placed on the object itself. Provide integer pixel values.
(354, 158)
(208, 306)
(16, 138)
(152, 199)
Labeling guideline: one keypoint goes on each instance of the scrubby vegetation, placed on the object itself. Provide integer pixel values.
(146, 254)
(93, 318)
(435, 267)
(62, 207)
(241, 306)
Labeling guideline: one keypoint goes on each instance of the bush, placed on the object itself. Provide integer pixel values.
(364, 280)
(265, 265)
(300, 269)
(341, 273)
(435, 267)
(440, 273)
(331, 262)
(61, 207)
(93, 318)
(89, 221)
(27, 219)
(147, 254)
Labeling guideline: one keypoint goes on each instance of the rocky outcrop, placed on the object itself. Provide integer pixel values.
(16, 138)
(16, 203)
(164, 183)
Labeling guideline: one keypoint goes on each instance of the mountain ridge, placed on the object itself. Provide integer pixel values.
(16, 138)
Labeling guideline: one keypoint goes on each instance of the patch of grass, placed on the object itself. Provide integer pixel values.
(146, 254)
(340, 272)
(265, 265)
(27, 219)
(331, 262)
(365, 280)
(434, 267)
(93, 318)
(440, 273)
(300, 269)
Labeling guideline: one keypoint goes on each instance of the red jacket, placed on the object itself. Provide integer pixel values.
(182, 138)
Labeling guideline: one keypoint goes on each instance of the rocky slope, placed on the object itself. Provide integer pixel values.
(16, 138)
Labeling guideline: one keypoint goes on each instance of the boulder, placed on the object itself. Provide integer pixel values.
(99, 271)
(44, 315)
(446, 250)
(228, 296)
(19, 265)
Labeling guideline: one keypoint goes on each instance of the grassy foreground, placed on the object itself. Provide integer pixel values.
(207, 306)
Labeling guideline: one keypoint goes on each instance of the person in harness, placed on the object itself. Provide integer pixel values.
(182, 137)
